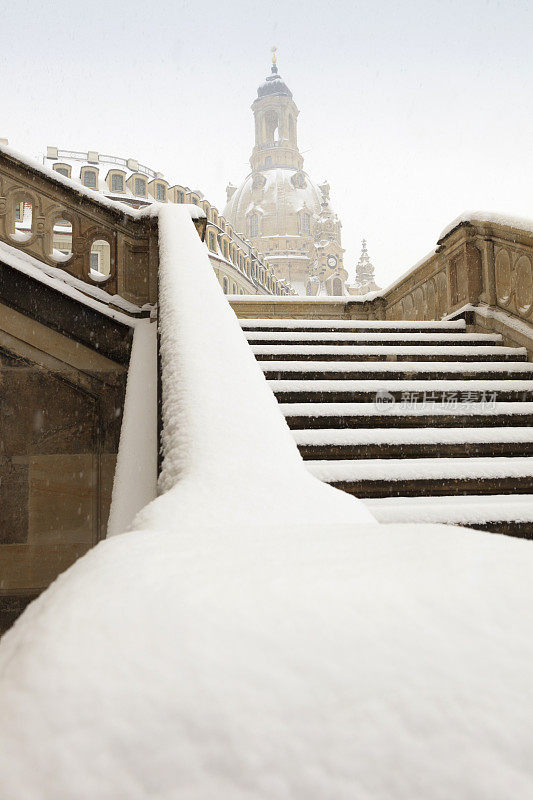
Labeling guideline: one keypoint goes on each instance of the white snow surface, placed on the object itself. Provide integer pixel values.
(451, 325)
(379, 336)
(135, 482)
(409, 350)
(222, 650)
(385, 436)
(411, 409)
(456, 509)
(228, 454)
(435, 367)
(519, 325)
(277, 663)
(521, 223)
(399, 469)
(422, 387)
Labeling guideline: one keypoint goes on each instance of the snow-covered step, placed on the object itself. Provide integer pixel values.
(364, 338)
(412, 415)
(348, 443)
(427, 476)
(397, 370)
(436, 391)
(478, 511)
(351, 324)
(384, 352)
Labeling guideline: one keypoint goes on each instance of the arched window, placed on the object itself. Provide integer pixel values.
(225, 285)
(100, 260)
(271, 126)
(61, 240)
(268, 161)
(233, 288)
(253, 224)
(306, 223)
(160, 192)
(179, 197)
(63, 169)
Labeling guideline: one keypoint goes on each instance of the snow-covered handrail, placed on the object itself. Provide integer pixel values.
(228, 455)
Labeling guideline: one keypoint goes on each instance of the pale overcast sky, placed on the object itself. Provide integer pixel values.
(413, 111)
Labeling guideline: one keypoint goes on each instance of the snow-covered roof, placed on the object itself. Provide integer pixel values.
(196, 212)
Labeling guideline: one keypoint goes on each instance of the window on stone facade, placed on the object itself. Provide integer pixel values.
(140, 187)
(100, 260)
(62, 171)
(160, 193)
(233, 288)
(268, 161)
(89, 178)
(117, 183)
(253, 221)
(179, 197)
(23, 226)
(225, 249)
(306, 224)
(211, 241)
(225, 285)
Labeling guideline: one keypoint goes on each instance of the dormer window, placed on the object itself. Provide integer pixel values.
(89, 178)
(117, 183)
(62, 169)
(139, 187)
(160, 193)
(298, 180)
(179, 197)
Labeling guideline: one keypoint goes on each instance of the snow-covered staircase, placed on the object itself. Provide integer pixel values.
(421, 419)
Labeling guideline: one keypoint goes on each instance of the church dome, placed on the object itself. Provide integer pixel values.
(277, 195)
(274, 85)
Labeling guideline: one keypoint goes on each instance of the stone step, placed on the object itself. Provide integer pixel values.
(396, 370)
(407, 391)
(370, 415)
(337, 444)
(351, 325)
(341, 338)
(366, 478)
(357, 353)
(509, 514)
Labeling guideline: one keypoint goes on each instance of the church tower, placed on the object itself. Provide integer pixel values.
(285, 215)
(275, 116)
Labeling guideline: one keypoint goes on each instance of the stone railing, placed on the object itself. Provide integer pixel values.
(484, 259)
(34, 204)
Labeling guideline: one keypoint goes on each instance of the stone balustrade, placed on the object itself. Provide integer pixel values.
(37, 213)
(476, 261)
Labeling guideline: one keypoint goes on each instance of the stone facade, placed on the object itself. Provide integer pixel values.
(286, 216)
(235, 260)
